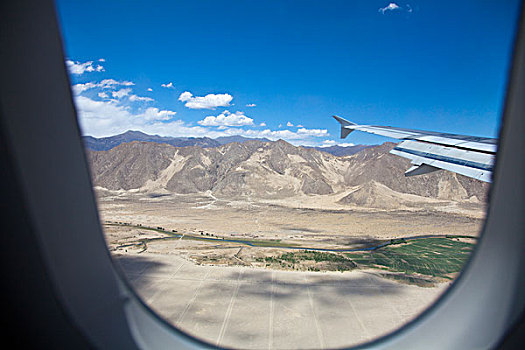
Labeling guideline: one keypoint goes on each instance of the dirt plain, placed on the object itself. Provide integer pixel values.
(212, 289)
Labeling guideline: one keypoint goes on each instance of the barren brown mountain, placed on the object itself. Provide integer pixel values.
(274, 170)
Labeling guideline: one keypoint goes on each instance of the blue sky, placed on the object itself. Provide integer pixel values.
(280, 69)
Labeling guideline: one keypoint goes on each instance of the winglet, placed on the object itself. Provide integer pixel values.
(420, 169)
(345, 126)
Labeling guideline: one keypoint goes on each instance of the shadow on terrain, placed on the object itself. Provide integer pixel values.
(158, 195)
(363, 241)
(406, 278)
(325, 287)
(289, 296)
(136, 269)
(139, 270)
(256, 290)
(298, 229)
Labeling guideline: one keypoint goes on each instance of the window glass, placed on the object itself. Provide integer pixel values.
(226, 194)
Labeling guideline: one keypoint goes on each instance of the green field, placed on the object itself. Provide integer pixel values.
(173, 234)
(432, 256)
(319, 261)
(437, 257)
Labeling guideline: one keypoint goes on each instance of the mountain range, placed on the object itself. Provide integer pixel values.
(372, 177)
(107, 143)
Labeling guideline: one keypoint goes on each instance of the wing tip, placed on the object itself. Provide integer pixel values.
(343, 121)
(345, 126)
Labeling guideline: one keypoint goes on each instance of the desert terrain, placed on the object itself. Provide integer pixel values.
(326, 251)
(210, 288)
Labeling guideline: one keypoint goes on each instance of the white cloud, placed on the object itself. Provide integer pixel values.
(153, 114)
(135, 98)
(289, 124)
(102, 60)
(299, 126)
(210, 101)
(121, 93)
(112, 112)
(105, 118)
(101, 117)
(227, 119)
(251, 105)
(330, 143)
(108, 83)
(112, 83)
(109, 117)
(390, 7)
(313, 132)
(185, 96)
(280, 126)
(104, 84)
(76, 67)
(305, 137)
(168, 86)
(79, 88)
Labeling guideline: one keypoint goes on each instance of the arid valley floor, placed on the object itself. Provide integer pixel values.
(245, 273)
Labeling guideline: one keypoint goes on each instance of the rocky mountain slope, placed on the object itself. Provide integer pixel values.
(236, 138)
(376, 164)
(273, 170)
(107, 143)
(340, 151)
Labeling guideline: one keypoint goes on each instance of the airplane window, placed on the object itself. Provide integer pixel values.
(238, 208)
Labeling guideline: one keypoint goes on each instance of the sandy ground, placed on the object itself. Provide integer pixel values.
(251, 307)
(191, 213)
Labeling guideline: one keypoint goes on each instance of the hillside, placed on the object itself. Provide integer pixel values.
(107, 143)
(341, 151)
(273, 170)
(376, 164)
(236, 138)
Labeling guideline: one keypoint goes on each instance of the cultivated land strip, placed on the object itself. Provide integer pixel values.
(273, 244)
(422, 260)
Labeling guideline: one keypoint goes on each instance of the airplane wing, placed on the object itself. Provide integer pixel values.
(430, 151)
